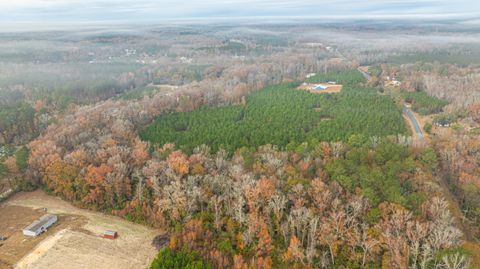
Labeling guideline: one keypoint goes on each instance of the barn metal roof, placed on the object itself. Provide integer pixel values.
(110, 232)
(37, 224)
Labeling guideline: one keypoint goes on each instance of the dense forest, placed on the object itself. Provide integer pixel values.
(459, 155)
(17, 123)
(423, 103)
(320, 205)
(459, 54)
(347, 77)
(281, 115)
(447, 95)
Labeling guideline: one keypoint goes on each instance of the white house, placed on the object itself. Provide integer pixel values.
(41, 225)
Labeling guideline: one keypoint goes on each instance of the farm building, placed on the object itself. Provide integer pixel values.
(110, 234)
(41, 225)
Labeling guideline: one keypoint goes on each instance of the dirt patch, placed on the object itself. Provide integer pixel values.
(14, 218)
(75, 241)
(330, 88)
(72, 249)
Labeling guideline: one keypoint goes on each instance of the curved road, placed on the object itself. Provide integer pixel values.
(365, 74)
(406, 110)
(413, 120)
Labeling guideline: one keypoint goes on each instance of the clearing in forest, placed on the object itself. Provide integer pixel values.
(74, 241)
(324, 88)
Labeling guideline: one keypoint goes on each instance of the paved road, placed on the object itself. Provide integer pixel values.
(413, 120)
(365, 74)
(406, 110)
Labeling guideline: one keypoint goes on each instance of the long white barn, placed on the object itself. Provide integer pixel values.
(41, 225)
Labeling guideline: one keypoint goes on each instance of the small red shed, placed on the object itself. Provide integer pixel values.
(110, 234)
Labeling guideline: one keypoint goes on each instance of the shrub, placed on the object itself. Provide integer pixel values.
(183, 259)
(427, 128)
(21, 157)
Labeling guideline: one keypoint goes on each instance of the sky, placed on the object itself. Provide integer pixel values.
(88, 11)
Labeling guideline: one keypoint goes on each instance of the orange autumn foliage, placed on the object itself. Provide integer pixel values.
(95, 178)
(474, 111)
(140, 153)
(178, 162)
(264, 246)
(294, 252)
(38, 105)
(60, 177)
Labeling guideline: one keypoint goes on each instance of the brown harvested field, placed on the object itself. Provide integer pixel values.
(75, 241)
(330, 88)
(13, 219)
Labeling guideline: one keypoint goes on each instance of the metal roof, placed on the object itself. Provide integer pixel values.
(109, 232)
(37, 224)
(320, 87)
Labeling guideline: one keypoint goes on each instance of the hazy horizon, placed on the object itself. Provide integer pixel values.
(57, 12)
